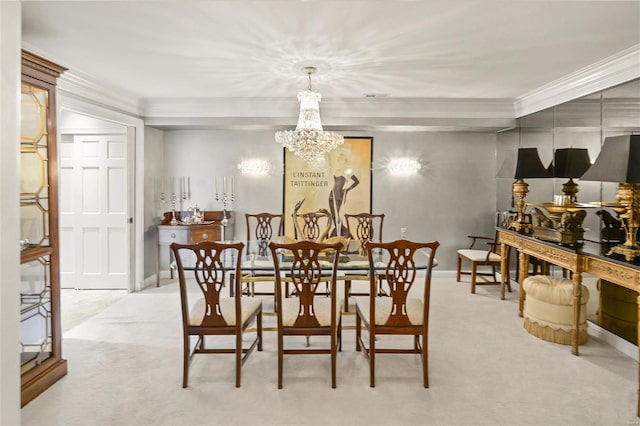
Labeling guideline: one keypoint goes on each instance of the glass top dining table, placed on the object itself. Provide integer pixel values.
(351, 266)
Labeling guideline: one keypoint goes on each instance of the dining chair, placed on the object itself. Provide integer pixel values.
(210, 314)
(479, 257)
(312, 228)
(311, 313)
(362, 227)
(262, 228)
(402, 313)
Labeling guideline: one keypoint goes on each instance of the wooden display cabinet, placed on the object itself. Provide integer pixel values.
(40, 329)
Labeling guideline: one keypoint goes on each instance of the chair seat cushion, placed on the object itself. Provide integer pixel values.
(249, 306)
(479, 255)
(415, 309)
(321, 305)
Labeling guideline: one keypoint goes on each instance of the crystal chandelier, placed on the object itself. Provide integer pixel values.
(308, 141)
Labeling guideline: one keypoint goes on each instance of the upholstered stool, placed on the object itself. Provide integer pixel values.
(548, 309)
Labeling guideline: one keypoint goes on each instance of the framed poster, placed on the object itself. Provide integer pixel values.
(340, 184)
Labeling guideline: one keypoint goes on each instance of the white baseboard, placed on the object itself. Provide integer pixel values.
(611, 339)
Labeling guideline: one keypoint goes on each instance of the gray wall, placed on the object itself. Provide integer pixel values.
(452, 196)
(153, 169)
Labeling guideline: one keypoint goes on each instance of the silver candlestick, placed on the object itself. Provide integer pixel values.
(174, 199)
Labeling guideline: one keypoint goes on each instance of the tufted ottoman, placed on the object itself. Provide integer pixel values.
(548, 309)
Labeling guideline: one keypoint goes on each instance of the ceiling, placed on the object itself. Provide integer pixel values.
(193, 50)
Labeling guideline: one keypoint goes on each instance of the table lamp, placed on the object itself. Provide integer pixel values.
(619, 161)
(570, 163)
(521, 164)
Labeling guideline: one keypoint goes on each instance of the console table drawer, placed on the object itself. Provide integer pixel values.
(210, 234)
(168, 236)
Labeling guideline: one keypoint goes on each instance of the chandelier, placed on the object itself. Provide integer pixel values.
(308, 141)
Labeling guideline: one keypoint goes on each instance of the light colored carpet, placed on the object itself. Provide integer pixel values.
(125, 367)
(79, 305)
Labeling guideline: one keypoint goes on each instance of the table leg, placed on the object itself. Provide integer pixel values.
(504, 267)
(347, 290)
(524, 272)
(577, 293)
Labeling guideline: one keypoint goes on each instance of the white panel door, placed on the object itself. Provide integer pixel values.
(93, 212)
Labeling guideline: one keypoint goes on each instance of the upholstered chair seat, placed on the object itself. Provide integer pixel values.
(321, 306)
(414, 307)
(227, 308)
(479, 255)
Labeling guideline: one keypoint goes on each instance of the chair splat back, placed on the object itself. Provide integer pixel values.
(267, 225)
(210, 274)
(306, 273)
(400, 275)
(311, 226)
(365, 227)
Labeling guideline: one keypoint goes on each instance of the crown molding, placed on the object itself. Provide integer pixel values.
(331, 109)
(343, 124)
(80, 87)
(612, 71)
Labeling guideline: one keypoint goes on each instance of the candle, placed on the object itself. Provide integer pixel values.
(189, 186)
(224, 184)
(233, 185)
(173, 185)
(183, 186)
(162, 184)
(216, 185)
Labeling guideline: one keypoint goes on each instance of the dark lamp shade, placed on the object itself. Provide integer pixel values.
(570, 162)
(619, 161)
(523, 163)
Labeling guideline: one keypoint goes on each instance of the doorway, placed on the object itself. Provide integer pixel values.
(94, 210)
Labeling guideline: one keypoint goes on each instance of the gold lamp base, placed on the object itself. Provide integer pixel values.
(629, 253)
(629, 197)
(521, 224)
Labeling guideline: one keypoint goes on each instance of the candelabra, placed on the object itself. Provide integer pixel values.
(183, 194)
(174, 199)
(225, 197)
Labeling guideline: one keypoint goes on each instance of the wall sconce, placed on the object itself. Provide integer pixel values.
(403, 166)
(254, 167)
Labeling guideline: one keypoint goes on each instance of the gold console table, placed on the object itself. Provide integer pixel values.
(583, 258)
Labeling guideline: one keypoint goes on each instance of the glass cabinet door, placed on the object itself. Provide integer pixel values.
(40, 328)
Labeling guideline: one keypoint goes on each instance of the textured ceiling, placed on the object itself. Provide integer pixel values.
(236, 49)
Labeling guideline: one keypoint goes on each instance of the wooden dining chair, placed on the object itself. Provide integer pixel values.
(262, 228)
(490, 255)
(362, 227)
(311, 313)
(309, 226)
(211, 314)
(402, 313)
